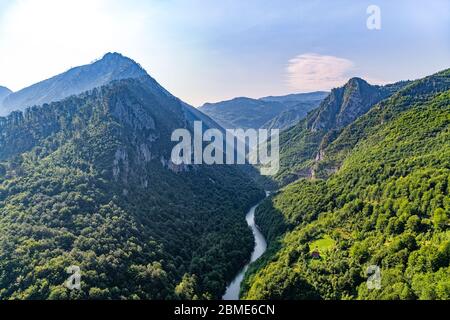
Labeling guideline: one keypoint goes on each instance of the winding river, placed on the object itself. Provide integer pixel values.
(234, 287)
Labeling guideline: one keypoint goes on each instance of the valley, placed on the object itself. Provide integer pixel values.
(234, 288)
(87, 179)
(192, 159)
(383, 206)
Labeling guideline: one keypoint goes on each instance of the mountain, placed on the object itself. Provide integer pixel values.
(289, 118)
(113, 66)
(296, 98)
(302, 144)
(4, 92)
(346, 104)
(386, 208)
(248, 113)
(88, 181)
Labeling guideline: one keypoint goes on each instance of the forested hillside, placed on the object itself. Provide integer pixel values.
(88, 182)
(301, 146)
(388, 205)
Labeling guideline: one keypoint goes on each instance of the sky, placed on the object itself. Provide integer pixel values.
(209, 51)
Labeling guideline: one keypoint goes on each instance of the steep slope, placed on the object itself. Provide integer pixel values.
(388, 206)
(257, 113)
(290, 117)
(242, 112)
(301, 146)
(112, 66)
(346, 104)
(88, 181)
(3, 93)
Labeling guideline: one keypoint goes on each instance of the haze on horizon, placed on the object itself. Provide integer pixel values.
(212, 51)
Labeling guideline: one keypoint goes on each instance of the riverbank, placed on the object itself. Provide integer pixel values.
(233, 289)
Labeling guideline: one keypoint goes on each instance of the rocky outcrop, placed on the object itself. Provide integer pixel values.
(346, 104)
(302, 146)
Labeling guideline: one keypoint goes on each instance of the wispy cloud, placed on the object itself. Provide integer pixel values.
(310, 71)
(225, 55)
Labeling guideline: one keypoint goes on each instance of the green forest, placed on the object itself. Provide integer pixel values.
(84, 182)
(364, 182)
(387, 205)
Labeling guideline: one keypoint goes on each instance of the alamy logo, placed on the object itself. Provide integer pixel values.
(374, 19)
(235, 146)
(74, 281)
(374, 277)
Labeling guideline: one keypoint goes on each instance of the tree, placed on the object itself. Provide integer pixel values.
(440, 218)
(186, 289)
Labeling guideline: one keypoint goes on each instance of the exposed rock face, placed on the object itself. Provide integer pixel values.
(346, 104)
(145, 152)
(120, 161)
(302, 146)
(135, 117)
(146, 113)
(341, 108)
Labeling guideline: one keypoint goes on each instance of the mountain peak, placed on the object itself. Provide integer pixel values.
(113, 55)
(111, 67)
(357, 83)
(356, 80)
(345, 104)
(116, 62)
(116, 58)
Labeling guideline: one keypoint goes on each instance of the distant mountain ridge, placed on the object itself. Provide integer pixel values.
(113, 66)
(243, 112)
(295, 98)
(288, 118)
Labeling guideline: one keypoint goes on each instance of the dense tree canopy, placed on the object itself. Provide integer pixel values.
(388, 205)
(86, 182)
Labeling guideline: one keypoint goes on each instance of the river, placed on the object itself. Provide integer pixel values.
(233, 289)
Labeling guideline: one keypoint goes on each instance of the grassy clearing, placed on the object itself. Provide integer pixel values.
(323, 245)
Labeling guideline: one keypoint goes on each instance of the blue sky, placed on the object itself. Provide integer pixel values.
(214, 50)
